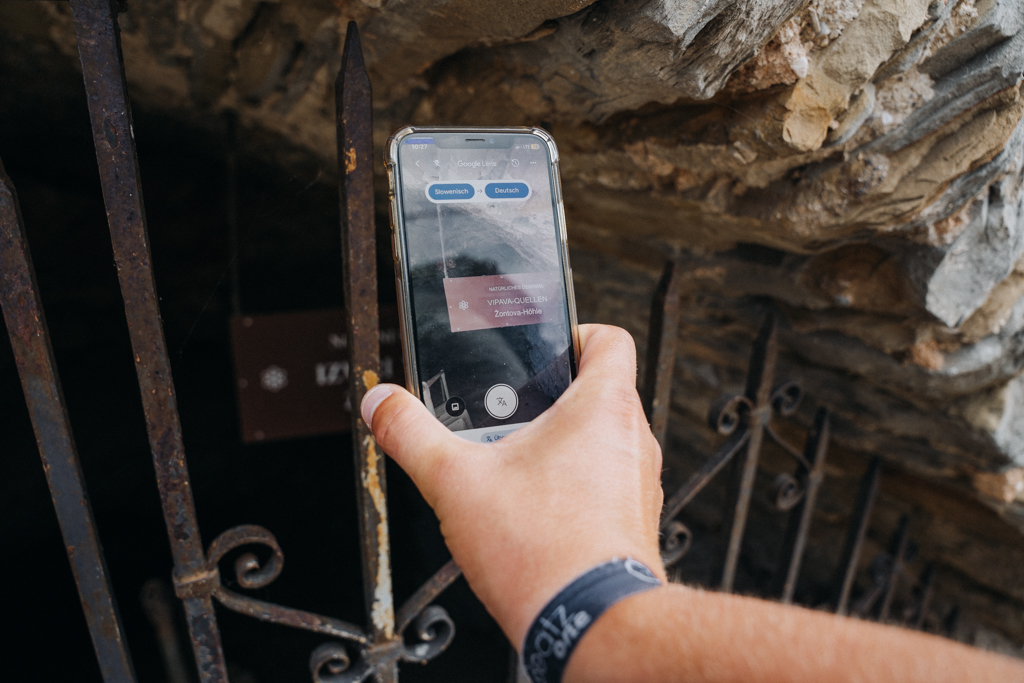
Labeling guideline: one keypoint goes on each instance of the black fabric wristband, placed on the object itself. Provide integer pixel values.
(563, 621)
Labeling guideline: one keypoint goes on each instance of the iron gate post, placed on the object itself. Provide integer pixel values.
(849, 558)
(99, 48)
(33, 354)
(758, 395)
(808, 481)
(660, 362)
(359, 266)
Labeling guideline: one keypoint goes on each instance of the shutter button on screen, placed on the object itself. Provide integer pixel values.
(455, 406)
(501, 401)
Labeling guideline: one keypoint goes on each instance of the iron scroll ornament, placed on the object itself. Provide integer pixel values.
(330, 662)
(732, 416)
(746, 419)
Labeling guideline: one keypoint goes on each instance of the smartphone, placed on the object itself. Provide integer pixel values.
(486, 309)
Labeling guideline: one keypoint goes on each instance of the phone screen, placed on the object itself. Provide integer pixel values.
(490, 322)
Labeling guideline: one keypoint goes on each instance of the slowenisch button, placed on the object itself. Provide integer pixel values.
(450, 191)
(507, 190)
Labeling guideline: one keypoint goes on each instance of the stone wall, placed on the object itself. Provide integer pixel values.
(854, 164)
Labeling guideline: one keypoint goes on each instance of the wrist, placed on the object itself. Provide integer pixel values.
(553, 635)
(535, 584)
(611, 645)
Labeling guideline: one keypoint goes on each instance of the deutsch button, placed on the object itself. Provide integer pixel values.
(501, 401)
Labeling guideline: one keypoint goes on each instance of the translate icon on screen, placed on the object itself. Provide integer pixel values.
(501, 401)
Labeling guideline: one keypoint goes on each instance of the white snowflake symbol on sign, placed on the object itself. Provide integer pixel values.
(274, 378)
(463, 305)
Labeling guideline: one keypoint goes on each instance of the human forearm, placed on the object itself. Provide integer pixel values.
(675, 633)
(580, 485)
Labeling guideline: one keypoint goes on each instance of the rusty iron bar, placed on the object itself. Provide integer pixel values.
(699, 479)
(99, 49)
(950, 622)
(353, 99)
(809, 482)
(359, 265)
(900, 545)
(886, 569)
(858, 530)
(927, 590)
(33, 355)
(758, 396)
(675, 536)
(662, 337)
(426, 594)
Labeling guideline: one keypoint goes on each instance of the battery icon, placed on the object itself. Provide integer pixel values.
(534, 146)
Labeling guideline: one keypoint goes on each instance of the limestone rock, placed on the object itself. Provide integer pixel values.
(985, 253)
(1006, 486)
(407, 36)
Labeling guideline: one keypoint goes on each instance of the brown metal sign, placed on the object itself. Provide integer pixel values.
(292, 371)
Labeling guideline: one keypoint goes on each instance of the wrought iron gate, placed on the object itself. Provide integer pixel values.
(381, 644)
(746, 419)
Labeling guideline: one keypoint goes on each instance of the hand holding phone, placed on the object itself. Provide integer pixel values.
(487, 314)
(576, 487)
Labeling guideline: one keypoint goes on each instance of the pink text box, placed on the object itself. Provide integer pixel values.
(478, 303)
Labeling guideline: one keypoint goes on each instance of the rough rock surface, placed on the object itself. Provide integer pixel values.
(856, 164)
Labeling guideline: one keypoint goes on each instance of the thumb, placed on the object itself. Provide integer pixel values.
(405, 430)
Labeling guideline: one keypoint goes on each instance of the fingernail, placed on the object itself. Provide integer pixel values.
(372, 399)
